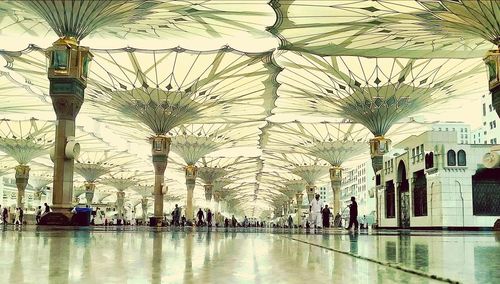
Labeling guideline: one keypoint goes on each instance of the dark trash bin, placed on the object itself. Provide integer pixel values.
(82, 217)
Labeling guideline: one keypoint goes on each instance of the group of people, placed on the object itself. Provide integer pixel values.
(319, 214)
(16, 216)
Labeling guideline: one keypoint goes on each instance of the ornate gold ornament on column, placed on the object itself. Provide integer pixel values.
(378, 147)
(89, 192)
(492, 61)
(209, 192)
(311, 190)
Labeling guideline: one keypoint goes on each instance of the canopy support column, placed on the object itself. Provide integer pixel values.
(379, 146)
(160, 150)
(336, 181)
(22, 176)
(299, 197)
(68, 70)
(190, 173)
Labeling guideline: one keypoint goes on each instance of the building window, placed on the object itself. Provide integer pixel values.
(420, 194)
(429, 160)
(485, 197)
(390, 209)
(462, 158)
(452, 158)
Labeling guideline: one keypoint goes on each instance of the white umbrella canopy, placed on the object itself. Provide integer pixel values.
(388, 28)
(7, 165)
(16, 101)
(332, 142)
(194, 141)
(144, 22)
(25, 140)
(157, 90)
(374, 92)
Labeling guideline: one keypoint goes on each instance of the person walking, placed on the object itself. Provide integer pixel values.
(209, 218)
(16, 217)
(326, 217)
(5, 216)
(315, 211)
(233, 221)
(177, 215)
(353, 214)
(201, 216)
(290, 221)
(38, 214)
(21, 215)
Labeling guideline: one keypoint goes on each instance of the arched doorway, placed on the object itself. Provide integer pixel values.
(404, 197)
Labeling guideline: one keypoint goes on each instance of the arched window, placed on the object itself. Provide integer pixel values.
(462, 158)
(452, 158)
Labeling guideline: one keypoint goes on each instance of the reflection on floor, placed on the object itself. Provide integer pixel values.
(144, 255)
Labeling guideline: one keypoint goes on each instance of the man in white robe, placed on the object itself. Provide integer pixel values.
(315, 211)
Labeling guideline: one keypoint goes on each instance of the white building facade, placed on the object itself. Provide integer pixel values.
(359, 181)
(462, 130)
(435, 182)
(489, 132)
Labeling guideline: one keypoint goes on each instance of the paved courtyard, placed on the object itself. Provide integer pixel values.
(187, 255)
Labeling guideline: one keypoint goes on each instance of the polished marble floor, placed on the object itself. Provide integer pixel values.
(144, 255)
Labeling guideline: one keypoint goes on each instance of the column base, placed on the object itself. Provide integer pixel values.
(156, 222)
(56, 219)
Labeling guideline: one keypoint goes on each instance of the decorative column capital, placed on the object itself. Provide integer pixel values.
(89, 186)
(67, 73)
(336, 173)
(299, 197)
(191, 172)
(492, 61)
(37, 195)
(68, 60)
(310, 189)
(378, 147)
(22, 172)
(209, 192)
(120, 198)
(160, 147)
